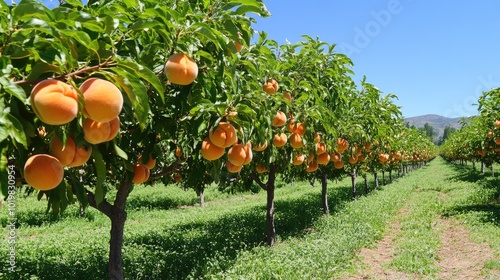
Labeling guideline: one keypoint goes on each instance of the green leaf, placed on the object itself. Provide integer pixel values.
(136, 92)
(100, 167)
(74, 3)
(143, 72)
(17, 133)
(121, 153)
(13, 89)
(142, 24)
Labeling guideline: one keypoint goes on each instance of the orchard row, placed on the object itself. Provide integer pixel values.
(116, 93)
(479, 138)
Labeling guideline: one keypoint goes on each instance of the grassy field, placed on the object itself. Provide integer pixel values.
(167, 236)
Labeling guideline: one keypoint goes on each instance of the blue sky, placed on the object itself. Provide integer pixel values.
(436, 56)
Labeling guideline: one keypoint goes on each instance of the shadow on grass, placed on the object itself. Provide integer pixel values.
(192, 249)
(487, 206)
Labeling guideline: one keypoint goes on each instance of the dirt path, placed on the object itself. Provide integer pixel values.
(459, 256)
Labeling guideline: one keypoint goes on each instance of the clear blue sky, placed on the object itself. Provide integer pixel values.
(436, 56)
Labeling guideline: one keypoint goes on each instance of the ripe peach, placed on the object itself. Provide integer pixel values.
(181, 69)
(178, 152)
(497, 140)
(279, 140)
(260, 147)
(82, 155)
(237, 154)
(98, 132)
(54, 102)
(295, 141)
(353, 159)
(320, 148)
(64, 153)
(260, 168)
(43, 172)
(141, 174)
(177, 177)
(338, 164)
(298, 128)
(287, 96)
(336, 157)
(497, 123)
(313, 166)
(342, 145)
(323, 158)
(210, 151)
(279, 119)
(223, 136)
(103, 100)
(151, 162)
(233, 168)
(298, 159)
(270, 87)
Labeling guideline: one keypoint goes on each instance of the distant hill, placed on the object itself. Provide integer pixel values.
(436, 121)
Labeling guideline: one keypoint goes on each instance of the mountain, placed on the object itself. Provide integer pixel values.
(436, 121)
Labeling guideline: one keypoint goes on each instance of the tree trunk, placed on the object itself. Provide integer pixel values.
(367, 189)
(324, 194)
(375, 177)
(390, 176)
(202, 197)
(353, 181)
(492, 170)
(269, 188)
(115, 265)
(383, 177)
(474, 165)
(482, 167)
(271, 231)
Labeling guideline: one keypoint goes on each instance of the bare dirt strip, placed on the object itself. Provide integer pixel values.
(459, 256)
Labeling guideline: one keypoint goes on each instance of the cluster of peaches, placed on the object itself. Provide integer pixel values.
(56, 103)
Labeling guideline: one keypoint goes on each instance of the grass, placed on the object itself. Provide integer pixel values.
(167, 236)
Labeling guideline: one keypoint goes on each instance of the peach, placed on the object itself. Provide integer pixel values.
(150, 164)
(313, 166)
(298, 159)
(64, 153)
(260, 168)
(181, 69)
(223, 136)
(279, 140)
(103, 100)
(295, 141)
(54, 102)
(233, 168)
(260, 147)
(323, 158)
(43, 172)
(141, 174)
(82, 155)
(210, 151)
(338, 164)
(98, 132)
(270, 87)
(279, 119)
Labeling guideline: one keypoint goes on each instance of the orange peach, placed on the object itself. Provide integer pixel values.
(103, 100)
(181, 69)
(54, 102)
(43, 172)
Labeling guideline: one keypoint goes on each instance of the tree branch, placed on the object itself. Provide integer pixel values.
(104, 207)
(166, 170)
(122, 195)
(259, 182)
(65, 77)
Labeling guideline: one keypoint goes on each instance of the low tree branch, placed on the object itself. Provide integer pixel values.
(165, 170)
(259, 182)
(65, 77)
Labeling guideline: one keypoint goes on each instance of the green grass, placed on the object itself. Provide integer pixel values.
(167, 236)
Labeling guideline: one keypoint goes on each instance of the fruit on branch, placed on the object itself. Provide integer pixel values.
(103, 100)
(181, 69)
(43, 172)
(271, 86)
(54, 102)
(98, 132)
(141, 173)
(209, 151)
(223, 136)
(279, 119)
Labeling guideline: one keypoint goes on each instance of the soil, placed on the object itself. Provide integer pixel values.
(459, 256)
